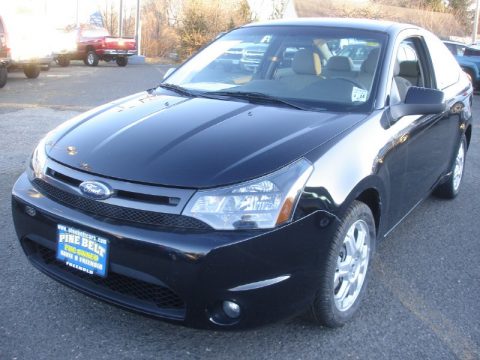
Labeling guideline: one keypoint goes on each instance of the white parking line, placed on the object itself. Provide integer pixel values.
(51, 106)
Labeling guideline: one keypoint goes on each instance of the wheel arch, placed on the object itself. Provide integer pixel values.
(371, 198)
(372, 192)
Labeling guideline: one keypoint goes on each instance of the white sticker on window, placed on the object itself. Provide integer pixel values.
(359, 94)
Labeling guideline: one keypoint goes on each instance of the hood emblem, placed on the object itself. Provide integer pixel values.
(96, 190)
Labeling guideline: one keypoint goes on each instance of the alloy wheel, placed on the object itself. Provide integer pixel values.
(352, 264)
(458, 169)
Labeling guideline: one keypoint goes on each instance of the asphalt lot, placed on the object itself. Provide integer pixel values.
(423, 301)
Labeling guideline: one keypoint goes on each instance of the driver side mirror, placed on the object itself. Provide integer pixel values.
(169, 72)
(419, 101)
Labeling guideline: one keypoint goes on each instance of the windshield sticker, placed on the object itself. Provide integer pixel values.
(359, 94)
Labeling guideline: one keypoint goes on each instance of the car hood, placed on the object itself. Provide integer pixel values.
(192, 142)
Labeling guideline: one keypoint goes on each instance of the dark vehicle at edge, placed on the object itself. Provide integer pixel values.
(226, 201)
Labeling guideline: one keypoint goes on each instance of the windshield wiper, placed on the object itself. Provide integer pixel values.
(256, 97)
(178, 89)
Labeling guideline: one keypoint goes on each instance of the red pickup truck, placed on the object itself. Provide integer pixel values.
(4, 54)
(94, 44)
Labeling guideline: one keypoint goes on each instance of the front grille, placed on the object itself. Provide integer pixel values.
(156, 295)
(118, 212)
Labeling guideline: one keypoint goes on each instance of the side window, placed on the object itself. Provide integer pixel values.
(446, 68)
(409, 70)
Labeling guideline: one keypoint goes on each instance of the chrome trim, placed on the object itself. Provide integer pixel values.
(182, 194)
(260, 284)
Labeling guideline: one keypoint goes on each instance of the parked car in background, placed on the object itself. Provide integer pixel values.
(27, 43)
(94, 44)
(4, 54)
(230, 59)
(252, 56)
(64, 46)
(468, 58)
(228, 202)
(357, 53)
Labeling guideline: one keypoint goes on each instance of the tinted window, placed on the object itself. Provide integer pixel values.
(447, 70)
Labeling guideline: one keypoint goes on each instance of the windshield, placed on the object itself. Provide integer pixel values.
(292, 63)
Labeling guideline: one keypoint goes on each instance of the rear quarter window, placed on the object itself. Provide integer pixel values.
(446, 68)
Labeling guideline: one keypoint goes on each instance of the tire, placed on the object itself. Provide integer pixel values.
(3, 76)
(122, 61)
(31, 71)
(91, 59)
(63, 61)
(451, 187)
(351, 251)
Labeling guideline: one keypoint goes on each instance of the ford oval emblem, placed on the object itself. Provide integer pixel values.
(96, 190)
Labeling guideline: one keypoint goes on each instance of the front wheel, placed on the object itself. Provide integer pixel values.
(343, 276)
(451, 187)
(3, 76)
(31, 71)
(122, 61)
(92, 58)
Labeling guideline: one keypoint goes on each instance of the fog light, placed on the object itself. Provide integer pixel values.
(231, 309)
(30, 211)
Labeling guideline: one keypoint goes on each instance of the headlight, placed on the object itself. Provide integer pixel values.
(39, 159)
(258, 204)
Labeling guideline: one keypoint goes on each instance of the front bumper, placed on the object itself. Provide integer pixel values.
(184, 275)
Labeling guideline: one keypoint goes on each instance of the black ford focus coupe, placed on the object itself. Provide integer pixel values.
(229, 197)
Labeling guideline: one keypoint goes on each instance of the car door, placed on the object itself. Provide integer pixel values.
(427, 140)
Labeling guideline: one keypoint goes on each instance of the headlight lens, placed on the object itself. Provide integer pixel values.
(39, 159)
(258, 204)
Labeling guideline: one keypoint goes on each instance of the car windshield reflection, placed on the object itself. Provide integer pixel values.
(317, 67)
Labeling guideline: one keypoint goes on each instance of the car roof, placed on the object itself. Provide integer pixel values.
(389, 27)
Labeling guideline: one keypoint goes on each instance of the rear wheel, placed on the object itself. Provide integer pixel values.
(92, 58)
(344, 274)
(122, 61)
(450, 188)
(31, 71)
(3, 76)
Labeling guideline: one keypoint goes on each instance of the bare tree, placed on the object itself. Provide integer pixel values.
(109, 12)
(278, 8)
(203, 20)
